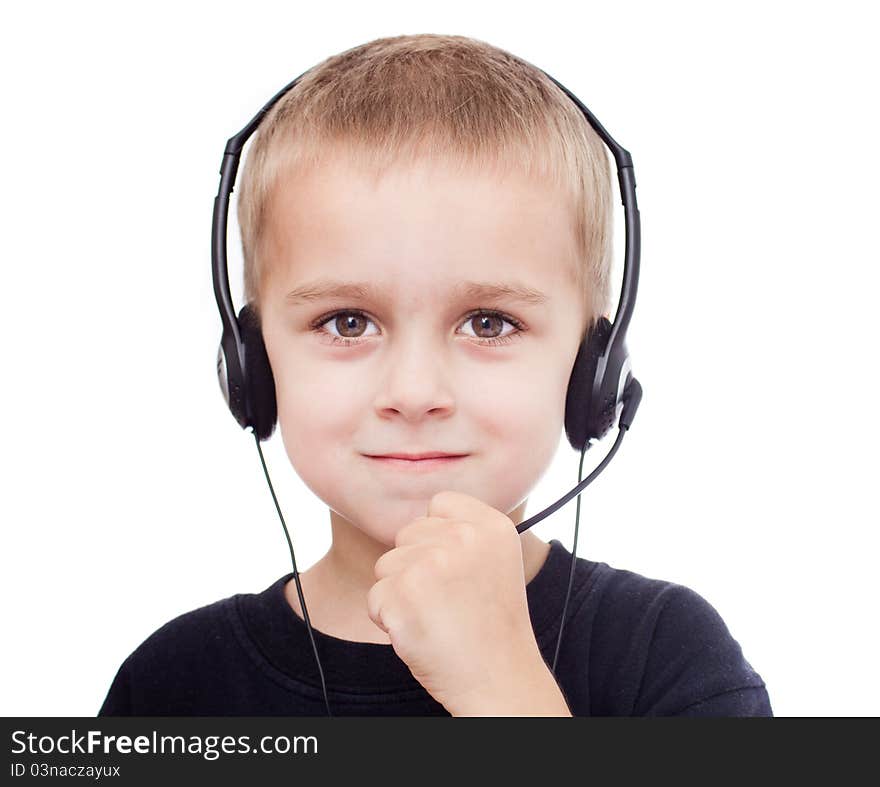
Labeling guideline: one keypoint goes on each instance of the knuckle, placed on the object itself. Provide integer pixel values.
(439, 497)
(439, 560)
(409, 582)
(442, 501)
(464, 534)
(372, 603)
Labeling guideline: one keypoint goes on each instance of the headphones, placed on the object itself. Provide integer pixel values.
(601, 384)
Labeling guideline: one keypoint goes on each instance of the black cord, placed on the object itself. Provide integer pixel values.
(577, 519)
(302, 601)
(599, 468)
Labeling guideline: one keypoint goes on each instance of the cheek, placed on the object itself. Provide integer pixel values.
(510, 416)
(319, 424)
(517, 430)
(317, 419)
(521, 408)
(318, 397)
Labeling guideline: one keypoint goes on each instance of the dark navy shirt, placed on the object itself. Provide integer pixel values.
(631, 646)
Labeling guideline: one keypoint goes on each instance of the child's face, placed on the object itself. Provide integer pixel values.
(420, 374)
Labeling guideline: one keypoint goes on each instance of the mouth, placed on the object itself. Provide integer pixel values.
(425, 463)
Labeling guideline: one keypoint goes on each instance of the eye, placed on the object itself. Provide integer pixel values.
(488, 321)
(346, 322)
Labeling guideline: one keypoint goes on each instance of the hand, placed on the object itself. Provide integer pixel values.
(451, 596)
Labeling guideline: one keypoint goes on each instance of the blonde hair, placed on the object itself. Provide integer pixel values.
(451, 98)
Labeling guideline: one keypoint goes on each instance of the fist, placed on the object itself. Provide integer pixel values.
(451, 596)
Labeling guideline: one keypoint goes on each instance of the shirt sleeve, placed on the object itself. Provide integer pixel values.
(694, 665)
(118, 699)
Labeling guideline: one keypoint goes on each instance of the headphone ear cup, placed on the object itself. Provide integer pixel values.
(580, 422)
(258, 379)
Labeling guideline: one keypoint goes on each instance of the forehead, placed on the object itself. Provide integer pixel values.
(419, 228)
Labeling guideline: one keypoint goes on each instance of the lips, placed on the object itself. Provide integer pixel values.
(416, 457)
(429, 462)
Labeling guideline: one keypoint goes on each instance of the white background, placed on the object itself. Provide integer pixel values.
(130, 495)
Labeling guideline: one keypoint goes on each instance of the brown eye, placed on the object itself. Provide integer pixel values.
(350, 326)
(347, 324)
(487, 326)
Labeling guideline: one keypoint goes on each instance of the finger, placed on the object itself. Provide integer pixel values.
(450, 504)
(419, 530)
(375, 602)
(395, 560)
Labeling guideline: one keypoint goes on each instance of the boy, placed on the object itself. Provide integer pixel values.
(426, 227)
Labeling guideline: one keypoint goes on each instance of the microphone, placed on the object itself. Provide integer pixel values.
(632, 396)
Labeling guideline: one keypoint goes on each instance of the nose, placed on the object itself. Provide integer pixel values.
(417, 378)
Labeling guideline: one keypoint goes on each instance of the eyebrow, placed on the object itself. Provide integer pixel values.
(487, 291)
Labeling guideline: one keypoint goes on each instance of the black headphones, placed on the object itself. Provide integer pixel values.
(601, 380)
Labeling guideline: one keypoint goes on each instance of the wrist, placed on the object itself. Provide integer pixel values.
(527, 690)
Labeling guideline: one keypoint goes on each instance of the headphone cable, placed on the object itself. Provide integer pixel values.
(302, 601)
(599, 468)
